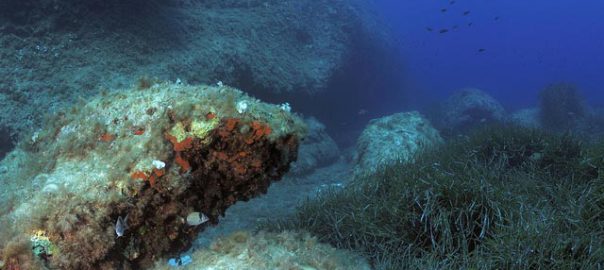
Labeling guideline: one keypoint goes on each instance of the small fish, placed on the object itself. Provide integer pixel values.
(451, 2)
(481, 50)
(444, 30)
(429, 29)
(466, 13)
(496, 18)
(121, 225)
(443, 10)
(470, 24)
(455, 27)
(362, 112)
(197, 218)
(180, 261)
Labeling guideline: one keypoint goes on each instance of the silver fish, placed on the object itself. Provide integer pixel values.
(196, 218)
(121, 225)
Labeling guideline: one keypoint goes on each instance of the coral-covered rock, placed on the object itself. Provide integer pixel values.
(317, 149)
(391, 138)
(470, 107)
(109, 184)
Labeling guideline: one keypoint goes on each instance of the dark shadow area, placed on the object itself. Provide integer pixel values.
(369, 84)
(7, 142)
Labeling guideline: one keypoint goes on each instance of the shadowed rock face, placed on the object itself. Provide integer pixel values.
(147, 157)
(234, 167)
(6, 141)
(316, 150)
(237, 166)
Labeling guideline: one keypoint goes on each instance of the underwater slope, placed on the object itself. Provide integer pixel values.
(58, 51)
(129, 177)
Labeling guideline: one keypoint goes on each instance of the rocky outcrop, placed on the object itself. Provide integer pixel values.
(112, 184)
(392, 138)
(317, 149)
(61, 50)
(471, 107)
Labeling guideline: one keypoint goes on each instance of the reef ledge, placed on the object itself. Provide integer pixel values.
(113, 182)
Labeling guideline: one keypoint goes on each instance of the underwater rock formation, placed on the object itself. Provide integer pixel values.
(393, 138)
(471, 107)
(59, 48)
(316, 150)
(110, 184)
(285, 250)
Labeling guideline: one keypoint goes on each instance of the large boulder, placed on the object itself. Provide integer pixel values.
(471, 107)
(316, 150)
(126, 178)
(391, 138)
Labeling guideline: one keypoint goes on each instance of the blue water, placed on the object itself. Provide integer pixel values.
(531, 44)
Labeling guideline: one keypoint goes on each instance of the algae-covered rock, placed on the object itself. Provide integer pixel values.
(285, 250)
(392, 138)
(470, 107)
(111, 182)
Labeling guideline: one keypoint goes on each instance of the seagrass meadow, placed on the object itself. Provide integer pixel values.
(502, 197)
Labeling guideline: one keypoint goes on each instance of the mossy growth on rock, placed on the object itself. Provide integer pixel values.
(501, 198)
(148, 157)
(392, 138)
